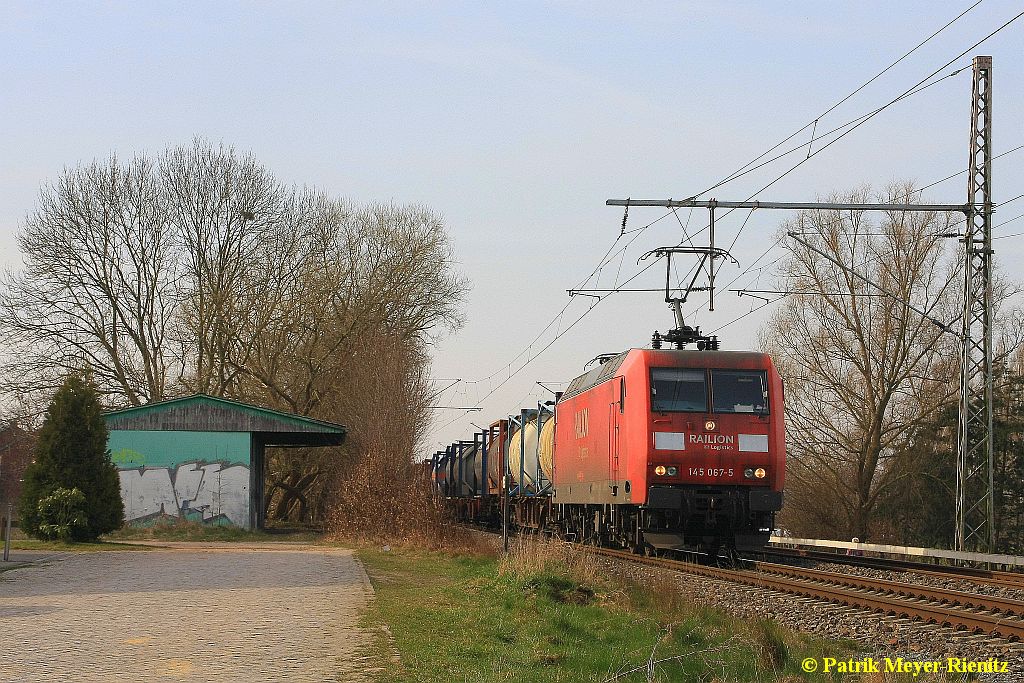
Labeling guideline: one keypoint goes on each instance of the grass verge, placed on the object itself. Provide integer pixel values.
(97, 546)
(549, 612)
(194, 531)
(167, 531)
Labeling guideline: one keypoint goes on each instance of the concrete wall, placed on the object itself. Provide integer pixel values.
(199, 476)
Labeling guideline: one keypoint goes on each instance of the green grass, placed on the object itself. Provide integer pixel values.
(39, 546)
(471, 618)
(194, 531)
(175, 531)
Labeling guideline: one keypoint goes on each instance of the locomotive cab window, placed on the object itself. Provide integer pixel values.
(678, 390)
(739, 391)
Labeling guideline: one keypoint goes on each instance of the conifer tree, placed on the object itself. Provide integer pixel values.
(71, 452)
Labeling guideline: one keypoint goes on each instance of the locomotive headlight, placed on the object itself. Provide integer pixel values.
(673, 471)
(749, 473)
(760, 473)
(660, 470)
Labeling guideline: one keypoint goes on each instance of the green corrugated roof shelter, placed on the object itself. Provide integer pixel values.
(201, 458)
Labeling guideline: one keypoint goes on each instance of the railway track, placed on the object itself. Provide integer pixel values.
(976, 614)
(986, 615)
(1000, 579)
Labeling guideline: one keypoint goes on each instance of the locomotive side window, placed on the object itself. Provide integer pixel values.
(678, 390)
(739, 391)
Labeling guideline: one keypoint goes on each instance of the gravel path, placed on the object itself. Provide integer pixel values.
(194, 612)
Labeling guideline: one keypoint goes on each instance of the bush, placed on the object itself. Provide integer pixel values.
(379, 501)
(62, 515)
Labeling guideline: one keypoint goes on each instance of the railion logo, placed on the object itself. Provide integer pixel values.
(712, 438)
(581, 423)
(715, 442)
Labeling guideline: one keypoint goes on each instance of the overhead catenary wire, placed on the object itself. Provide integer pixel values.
(814, 123)
(601, 263)
(601, 298)
(960, 173)
(1008, 220)
(913, 90)
(531, 359)
(847, 127)
(918, 87)
(964, 220)
(743, 170)
(783, 294)
(755, 262)
(856, 123)
(850, 126)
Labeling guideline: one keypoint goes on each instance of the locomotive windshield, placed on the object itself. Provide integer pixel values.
(678, 390)
(739, 391)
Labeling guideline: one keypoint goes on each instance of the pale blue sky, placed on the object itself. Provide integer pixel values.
(515, 121)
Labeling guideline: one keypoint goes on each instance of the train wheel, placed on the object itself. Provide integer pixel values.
(713, 550)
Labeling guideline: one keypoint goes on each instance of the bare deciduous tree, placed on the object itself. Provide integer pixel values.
(200, 273)
(225, 211)
(862, 369)
(98, 287)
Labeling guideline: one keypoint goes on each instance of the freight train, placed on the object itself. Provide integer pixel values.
(649, 450)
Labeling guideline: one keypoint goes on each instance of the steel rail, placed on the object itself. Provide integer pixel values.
(999, 625)
(909, 590)
(1001, 579)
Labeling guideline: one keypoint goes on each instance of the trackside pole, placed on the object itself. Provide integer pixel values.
(7, 532)
(504, 512)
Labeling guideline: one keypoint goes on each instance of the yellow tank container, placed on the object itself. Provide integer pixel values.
(525, 442)
(493, 463)
(547, 447)
(543, 456)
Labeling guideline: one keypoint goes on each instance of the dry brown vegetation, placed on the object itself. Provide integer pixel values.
(380, 503)
(530, 556)
(379, 493)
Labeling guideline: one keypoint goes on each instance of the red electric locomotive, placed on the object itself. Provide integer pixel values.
(671, 449)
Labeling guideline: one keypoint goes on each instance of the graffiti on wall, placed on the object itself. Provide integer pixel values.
(211, 493)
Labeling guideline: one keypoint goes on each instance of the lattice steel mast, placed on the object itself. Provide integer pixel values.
(975, 527)
(975, 509)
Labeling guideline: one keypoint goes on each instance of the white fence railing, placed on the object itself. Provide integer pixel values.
(905, 550)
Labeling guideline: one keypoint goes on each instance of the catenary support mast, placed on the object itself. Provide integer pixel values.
(975, 528)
